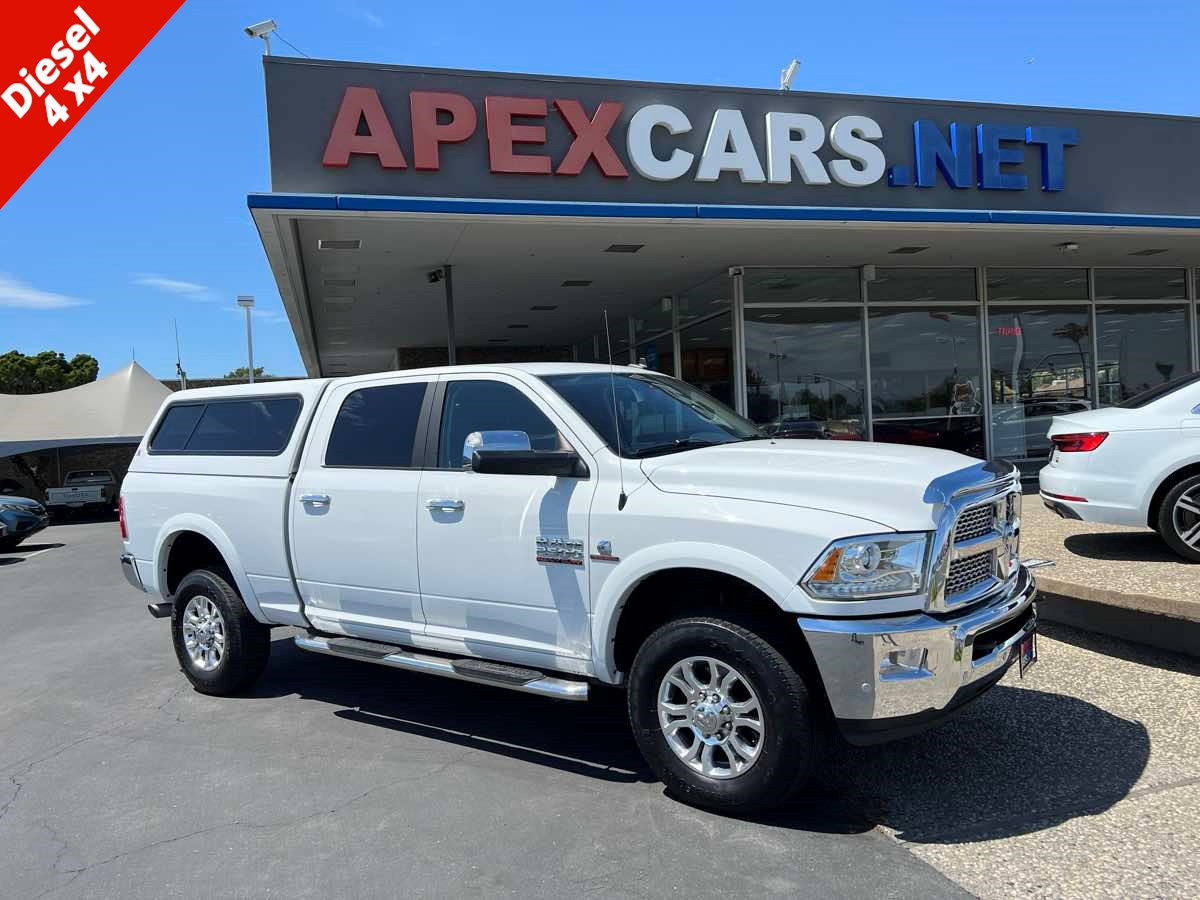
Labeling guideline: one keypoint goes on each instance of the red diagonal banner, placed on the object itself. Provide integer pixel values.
(61, 56)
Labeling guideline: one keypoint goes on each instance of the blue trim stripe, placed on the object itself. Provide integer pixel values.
(372, 203)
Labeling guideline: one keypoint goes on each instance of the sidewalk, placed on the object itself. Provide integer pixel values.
(1113, 580)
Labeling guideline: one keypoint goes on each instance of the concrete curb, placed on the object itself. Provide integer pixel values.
(1156, 621)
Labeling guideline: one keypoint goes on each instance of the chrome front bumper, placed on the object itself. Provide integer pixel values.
(890, 677)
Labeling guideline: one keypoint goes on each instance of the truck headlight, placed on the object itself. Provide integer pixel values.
(868, 567)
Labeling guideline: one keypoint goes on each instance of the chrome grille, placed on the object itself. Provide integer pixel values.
(970, 571)
(975, 522)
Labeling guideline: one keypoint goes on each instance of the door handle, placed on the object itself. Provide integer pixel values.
(445, 505)
(314, 499)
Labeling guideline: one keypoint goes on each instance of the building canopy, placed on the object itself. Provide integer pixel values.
(113, 410)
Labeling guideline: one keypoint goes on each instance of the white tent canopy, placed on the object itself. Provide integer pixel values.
(113, 410)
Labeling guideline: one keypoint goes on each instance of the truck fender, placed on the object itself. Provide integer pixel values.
(178, 524)
(633, 569)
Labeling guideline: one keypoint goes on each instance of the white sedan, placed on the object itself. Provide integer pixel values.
(1133, 464)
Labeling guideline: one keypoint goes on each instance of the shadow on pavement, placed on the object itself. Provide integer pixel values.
(1120, 648)
(83, 517)
(1014, 762)
(1136, 546)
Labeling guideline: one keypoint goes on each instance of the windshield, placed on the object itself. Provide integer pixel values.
(1137, 401)
(657, 414)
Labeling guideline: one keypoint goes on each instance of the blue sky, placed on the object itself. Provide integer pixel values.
(139, 217)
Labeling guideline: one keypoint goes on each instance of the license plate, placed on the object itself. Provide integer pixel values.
(1027, 653)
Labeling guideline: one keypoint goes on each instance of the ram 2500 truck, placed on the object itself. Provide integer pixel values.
(549, 528)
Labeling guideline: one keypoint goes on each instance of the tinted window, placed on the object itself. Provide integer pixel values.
(176, 427)
(245, 426)
(489, 406)
(377, 427)
(1160, 391)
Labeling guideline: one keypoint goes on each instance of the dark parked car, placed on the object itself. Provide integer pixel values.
(21, 517)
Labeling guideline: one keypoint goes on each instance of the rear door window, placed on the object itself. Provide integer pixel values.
(376, 427)
(253, 427)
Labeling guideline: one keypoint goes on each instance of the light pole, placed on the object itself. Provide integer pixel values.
(779, 356)
(246, 302)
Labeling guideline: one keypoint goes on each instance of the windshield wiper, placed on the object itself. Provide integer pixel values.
(674, 447)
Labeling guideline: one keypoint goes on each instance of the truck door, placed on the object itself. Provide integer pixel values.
(354, 510)
(487, 585)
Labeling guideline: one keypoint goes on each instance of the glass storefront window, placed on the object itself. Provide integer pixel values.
(1041, 361)
(804, 371)
(1036, 284)
(1139, 347)
(801, 285)
(711, 296)
(706, 351)
(659, 354)
(924, 284)
(652, 318)
(1141, 284)
(926, 386)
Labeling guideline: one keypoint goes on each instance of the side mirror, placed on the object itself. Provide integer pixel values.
(493, 440)
(559, 463)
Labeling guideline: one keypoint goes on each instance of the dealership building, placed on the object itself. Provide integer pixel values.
(941, 273)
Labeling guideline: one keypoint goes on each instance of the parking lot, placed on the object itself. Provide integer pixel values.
(346, 779)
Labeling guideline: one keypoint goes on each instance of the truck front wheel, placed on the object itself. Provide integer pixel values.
(722, 717)
(221, 648)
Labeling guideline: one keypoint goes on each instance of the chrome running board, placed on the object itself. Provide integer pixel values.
(514, 678)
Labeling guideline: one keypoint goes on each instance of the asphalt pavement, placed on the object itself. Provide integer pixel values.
(341, 778)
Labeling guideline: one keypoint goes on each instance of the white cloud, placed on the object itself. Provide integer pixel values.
(171, 285)
(266, 316)
(369, 17)
(21, 294)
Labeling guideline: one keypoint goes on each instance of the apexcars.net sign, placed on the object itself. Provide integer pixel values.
(60, 58)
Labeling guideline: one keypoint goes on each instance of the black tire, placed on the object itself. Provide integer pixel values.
(795, 733)
(9, 543)
(247, 643)
(1169, 524)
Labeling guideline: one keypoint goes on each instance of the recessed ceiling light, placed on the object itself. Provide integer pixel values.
(338, 301)
(497, 340)
(907, 250)
(699, 339)
(770, 315)
(337, 327)
(623, 248)
(577, 282)
(1151, 251)
(518, 325)
(354, 244)
(338, 343)
(543, 308)
(340, 282)
(339, 270)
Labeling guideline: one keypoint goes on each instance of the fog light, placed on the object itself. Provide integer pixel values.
(909, 662)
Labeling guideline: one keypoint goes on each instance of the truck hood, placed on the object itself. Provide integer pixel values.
(882, 483)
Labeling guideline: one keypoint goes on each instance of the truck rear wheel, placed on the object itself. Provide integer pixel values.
(722, 717)
(221, 648)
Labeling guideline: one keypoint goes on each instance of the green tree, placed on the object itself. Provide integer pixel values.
(44, 372)
(243, 372)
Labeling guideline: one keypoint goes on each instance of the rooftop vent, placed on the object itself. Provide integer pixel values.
(907, 251)
(338, 301)
(324, 244)
(623, 248)
(577, 283)
(340, 282)
(543, 308)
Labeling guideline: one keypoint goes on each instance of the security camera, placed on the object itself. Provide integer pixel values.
(262, 29)
(435, 276)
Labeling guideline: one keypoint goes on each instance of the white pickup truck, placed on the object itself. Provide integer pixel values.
(83, 489)
(550, 527)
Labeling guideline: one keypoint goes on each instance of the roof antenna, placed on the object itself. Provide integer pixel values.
(178, 359)
(612, 378)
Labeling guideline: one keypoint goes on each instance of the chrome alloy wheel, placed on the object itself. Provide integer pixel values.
(203, 633)
(711, 717)
(1186, 517)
